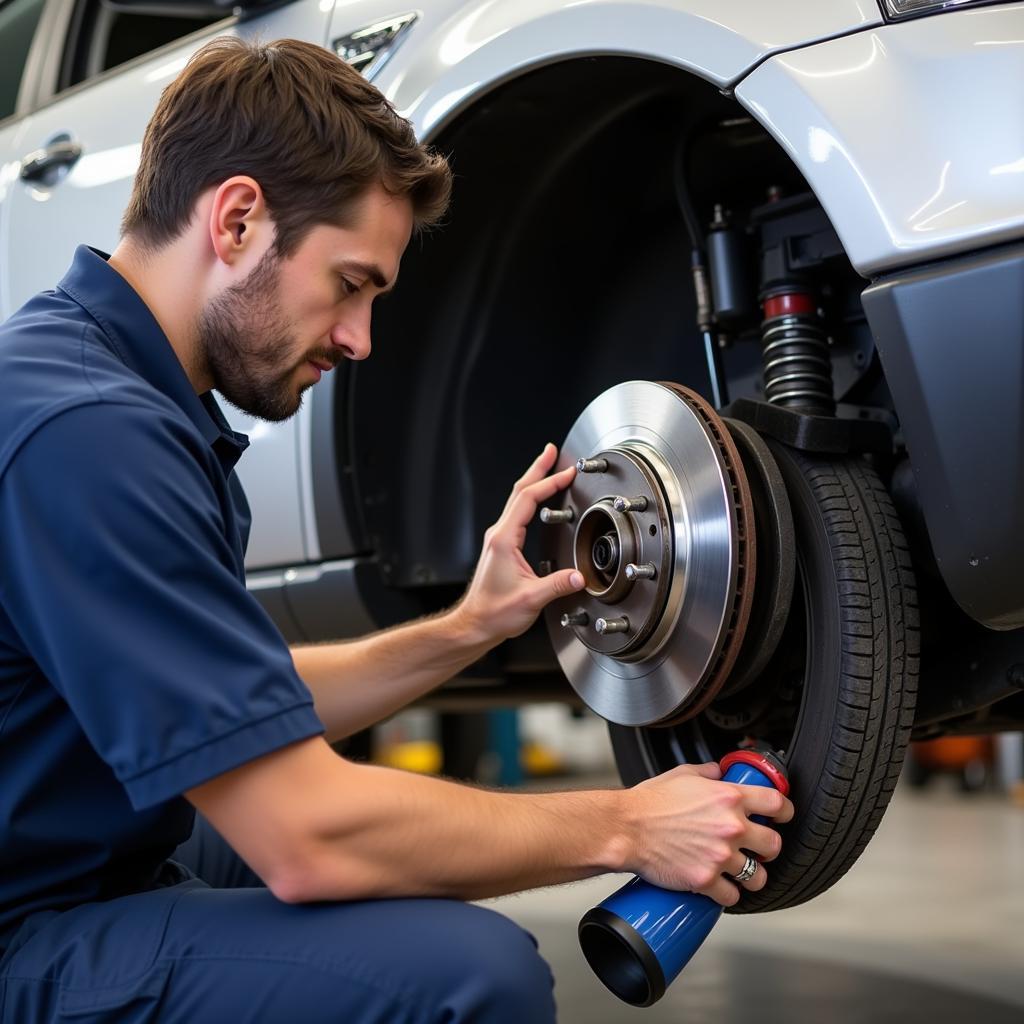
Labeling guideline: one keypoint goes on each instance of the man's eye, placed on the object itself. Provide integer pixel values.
(348, 287)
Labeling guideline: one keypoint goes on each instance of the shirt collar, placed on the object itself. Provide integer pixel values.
(139, 342)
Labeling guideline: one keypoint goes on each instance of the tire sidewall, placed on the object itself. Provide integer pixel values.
(817, 579)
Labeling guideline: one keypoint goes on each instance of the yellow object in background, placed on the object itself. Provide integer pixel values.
(539, 759)
(422, 756)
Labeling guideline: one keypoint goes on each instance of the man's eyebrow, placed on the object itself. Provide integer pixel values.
(370, 270)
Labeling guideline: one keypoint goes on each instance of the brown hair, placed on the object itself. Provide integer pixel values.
(293, 116)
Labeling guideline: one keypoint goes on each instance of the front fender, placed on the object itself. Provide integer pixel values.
(459, 51)
(911, 135)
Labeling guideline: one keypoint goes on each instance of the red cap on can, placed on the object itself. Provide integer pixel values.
(766, 763)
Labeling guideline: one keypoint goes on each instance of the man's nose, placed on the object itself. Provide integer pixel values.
(352, 336)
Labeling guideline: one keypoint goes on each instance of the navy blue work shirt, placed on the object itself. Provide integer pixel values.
(134, 664)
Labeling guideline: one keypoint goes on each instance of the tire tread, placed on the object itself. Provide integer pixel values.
(879, 653)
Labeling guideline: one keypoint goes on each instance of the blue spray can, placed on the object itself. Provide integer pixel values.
(640, 938)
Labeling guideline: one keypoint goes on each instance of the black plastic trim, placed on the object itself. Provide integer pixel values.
(271, 598)
(617, 972)
(326, 603)
(821, 435)
(951, 340)
(335, 537)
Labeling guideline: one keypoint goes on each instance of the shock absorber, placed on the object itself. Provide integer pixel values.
(797, 364)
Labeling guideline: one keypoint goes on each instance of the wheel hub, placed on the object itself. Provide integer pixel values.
(659, 522)
(623, 546)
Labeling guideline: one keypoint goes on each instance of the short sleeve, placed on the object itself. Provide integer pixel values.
(118, 576)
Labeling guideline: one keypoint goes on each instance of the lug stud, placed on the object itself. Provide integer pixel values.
(592, 466)
(645, 571)
(556, 515)
(604, 626)
(638, 504)
(577, 618)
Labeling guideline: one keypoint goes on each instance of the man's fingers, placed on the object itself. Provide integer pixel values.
(558, 584)
(768, 802)
(709, 770)
(787, 812)
(762, 840)
(757, 880)
(539, 468)
(723, 891)
(523, 506)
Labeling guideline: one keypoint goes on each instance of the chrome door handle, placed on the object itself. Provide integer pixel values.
(37, 164)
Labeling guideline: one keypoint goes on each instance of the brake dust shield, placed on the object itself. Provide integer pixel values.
(659, 520)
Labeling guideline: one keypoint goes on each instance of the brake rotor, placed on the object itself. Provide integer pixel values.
(659, 520)
(776, 561)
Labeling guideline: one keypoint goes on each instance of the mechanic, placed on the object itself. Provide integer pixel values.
(140, 682)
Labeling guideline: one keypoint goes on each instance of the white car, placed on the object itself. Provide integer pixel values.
(811, 214)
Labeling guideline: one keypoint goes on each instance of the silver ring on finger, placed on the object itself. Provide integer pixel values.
(749, 870)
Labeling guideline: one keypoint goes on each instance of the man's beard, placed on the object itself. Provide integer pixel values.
(248, 347)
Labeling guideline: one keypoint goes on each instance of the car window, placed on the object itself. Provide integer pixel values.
(18, 20)
(102, 37)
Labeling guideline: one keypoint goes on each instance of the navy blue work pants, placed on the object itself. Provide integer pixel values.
(221, 949)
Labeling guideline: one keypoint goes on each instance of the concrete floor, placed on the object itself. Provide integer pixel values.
(928, 926)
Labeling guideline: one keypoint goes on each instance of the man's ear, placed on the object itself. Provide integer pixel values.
(239, 221)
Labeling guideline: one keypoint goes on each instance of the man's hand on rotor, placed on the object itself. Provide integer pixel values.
(506, 595)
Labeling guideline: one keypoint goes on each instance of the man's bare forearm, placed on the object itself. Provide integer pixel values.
(360, 682)
(417, 835)
(314, 826)
(317, 827)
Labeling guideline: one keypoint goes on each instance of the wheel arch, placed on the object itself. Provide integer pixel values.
(460, 54)
(524, 306)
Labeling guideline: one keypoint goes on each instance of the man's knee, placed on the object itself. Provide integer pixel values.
(496, 970)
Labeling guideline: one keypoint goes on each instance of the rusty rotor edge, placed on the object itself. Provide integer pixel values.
(744, 535)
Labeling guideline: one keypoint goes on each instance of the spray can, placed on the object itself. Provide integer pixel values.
(640, 938)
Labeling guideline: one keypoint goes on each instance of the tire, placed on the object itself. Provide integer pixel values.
(839, 694)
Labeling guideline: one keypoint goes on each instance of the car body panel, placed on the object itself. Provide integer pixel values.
(912, 135)
(458, 51)
(949, 337)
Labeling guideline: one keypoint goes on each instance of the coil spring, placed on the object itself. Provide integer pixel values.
(797, 364)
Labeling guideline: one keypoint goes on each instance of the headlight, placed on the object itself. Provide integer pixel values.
(368, 49)
(896, 9)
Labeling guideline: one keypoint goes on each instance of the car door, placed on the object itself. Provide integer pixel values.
(78, 155)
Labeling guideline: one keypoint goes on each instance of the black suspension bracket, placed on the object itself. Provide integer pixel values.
(824, 435)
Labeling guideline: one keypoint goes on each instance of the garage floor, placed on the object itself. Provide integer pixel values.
(928, 926)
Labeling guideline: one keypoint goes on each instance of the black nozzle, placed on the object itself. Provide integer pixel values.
(623, 962)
